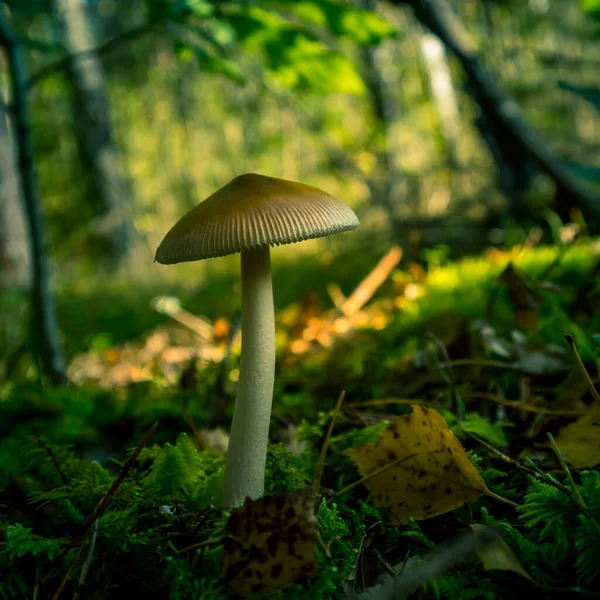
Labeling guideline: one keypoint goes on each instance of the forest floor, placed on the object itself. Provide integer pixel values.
(436, 432)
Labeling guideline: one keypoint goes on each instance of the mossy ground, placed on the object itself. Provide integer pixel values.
(61, 449)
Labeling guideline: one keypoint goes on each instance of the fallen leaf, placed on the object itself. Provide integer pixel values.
(580, 441)
(270, 543)
(432, 475)
(497, 555)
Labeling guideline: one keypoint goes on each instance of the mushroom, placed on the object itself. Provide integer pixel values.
(248, 215)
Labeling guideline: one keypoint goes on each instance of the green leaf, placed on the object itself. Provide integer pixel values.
(19, 543)
(345, 21)
(490, 432)
(592, 7)
(201, 8)
(307, 64)
(211, 63)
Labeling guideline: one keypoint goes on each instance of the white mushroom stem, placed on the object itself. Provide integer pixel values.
(246, 454)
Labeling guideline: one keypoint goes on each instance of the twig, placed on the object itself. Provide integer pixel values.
(551, 481)
(376, 472)
(446, 557)
(103, 48)
(170, 306)
(383, 402)
(319, 471)
(197, 436)
(455, 396)
(384, 563)
(53, 458)
(504, 457)
(575, 489)
(336, 295)
(213, 542)
(525, 407)
(86, 565)
(368, 286)
(66, 576)
(582, 369)
(99, 509)
(468, 362)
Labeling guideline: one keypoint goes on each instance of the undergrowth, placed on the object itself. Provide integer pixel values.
(61, 450)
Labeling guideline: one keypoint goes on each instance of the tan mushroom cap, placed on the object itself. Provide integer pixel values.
(253, 211)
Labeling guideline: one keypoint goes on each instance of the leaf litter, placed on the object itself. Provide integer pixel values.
(417, 468)
(265, 551)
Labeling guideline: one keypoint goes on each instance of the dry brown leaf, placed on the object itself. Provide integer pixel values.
(270, 543)
(436, 475)
(525, 301)
(498, 555)
(580, 441)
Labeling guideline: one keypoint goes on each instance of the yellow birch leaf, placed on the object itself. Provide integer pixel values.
(580, 440)
(435, 477)
(498, 555)
(270, 543)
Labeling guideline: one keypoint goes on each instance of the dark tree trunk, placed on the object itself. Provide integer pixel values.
(44, 323)
(497, 108)
(383, 183)
(107, 189)
(15, 267)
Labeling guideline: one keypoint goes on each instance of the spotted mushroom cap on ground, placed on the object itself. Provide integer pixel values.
(253, 211)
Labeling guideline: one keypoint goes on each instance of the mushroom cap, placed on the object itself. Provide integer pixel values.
(253, 211)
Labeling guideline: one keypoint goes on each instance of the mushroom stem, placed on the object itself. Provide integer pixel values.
(246, 454)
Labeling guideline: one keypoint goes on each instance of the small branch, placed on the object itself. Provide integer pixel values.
(319, 471)
(214, 542)
(442, 22)
(375, 472)
(198, 438)
(86, 565)
(448, 556)
(368, 286)
(53, 458)
(99, 510)
(576, 494)
(103, 48)
(582, 369)
(508, 459)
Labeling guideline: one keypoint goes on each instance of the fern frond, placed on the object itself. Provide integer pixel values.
(19, 543)
(590, 491)
(550, 509)
(171, 477)
(587, 544)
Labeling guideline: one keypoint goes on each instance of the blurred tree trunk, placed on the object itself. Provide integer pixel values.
(14, 250)
(44, 334)
(502, 117)
(442, 92)
(382, 183)
(107, 190)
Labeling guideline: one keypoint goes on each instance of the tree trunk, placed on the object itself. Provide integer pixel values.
(442, 92)
(107, 189)
(498, 108)
(15, 265)
(382, 183)
(44, 335)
